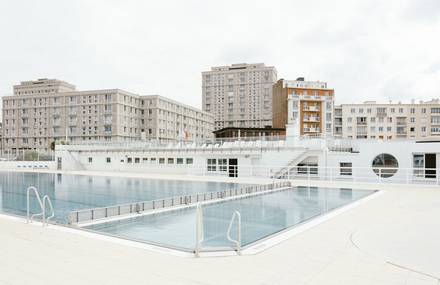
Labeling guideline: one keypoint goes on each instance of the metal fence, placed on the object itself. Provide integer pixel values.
(88, 215)
(397, 175)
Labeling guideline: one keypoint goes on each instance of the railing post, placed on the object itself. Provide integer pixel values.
(199, 229)
(308, 174)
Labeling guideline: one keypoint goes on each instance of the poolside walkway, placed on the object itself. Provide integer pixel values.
(391, 239)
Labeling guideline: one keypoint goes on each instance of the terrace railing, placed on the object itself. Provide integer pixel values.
(89, 215)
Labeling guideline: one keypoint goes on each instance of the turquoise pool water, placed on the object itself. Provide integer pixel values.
(75, 192)
(261, 216)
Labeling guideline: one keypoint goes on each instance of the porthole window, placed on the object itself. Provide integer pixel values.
(385, 165)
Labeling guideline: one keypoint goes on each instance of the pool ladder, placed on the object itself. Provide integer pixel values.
(235, 216)
(200, 231)
(41, 203)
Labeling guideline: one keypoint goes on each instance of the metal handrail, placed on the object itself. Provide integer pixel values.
(188, 199)
(46, 220)
(199, 229)
(30, 217)
(228, 234)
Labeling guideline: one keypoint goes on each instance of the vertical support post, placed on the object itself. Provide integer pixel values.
(199, 230)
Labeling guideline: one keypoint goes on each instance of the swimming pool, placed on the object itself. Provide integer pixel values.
(261, 215)
(75, 192)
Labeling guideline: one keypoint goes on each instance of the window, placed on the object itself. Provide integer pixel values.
(137, 160)
(170, 160)
(189, 161)
(108, 160)
(145, 160)
(161, 160)
(129, 160)
(345, 168)
(418, 162)
(90, 160)
(435, 120)
(212, 164)
(222, 164)
(385, 165)
(179, 161)
(153, 160)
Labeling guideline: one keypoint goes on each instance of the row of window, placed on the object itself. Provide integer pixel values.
(393, 110)
(151, 160)
(217, 164)
(389, 129)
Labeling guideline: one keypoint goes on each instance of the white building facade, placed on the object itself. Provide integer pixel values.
(388, 121)
(48, 110)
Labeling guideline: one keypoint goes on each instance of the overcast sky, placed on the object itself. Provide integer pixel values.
(366, 50)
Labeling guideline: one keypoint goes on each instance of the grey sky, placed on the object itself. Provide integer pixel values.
(366, 50)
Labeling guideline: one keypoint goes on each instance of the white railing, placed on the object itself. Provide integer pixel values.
(237, 242)
(397, 175)
(102, 213)
(41, 203)
(30, 217)
(46, 199)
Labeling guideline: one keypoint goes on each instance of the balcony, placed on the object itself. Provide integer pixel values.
(312, 130)
(311, 119)
(311, 109)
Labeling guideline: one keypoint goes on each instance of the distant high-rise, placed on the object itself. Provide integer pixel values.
(239, 95)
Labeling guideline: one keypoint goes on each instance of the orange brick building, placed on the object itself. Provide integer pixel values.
(306, 105)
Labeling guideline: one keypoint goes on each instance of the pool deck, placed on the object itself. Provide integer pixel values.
(391, 239)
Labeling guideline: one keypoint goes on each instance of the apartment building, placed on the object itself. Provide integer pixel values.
(305, 105)
(168, 120)
(239, 95)
(387, 121)
(47, 110)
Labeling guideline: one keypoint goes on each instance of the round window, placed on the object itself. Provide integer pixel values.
(385, 165)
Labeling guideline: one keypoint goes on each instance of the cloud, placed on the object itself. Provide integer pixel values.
(366, 50)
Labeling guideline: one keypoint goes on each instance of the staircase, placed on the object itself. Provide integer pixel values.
(78, 163)
(283, 172)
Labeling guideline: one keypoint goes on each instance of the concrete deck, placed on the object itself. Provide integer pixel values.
(392, 239)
